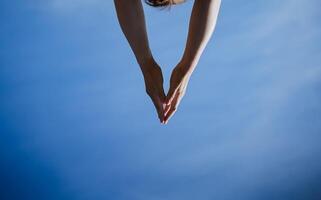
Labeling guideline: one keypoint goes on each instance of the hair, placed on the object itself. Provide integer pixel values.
(163, 3)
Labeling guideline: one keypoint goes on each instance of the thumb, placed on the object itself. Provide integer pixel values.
(175, 81)
(170, 94)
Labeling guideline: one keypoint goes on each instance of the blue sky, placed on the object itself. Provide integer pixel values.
(76, 123)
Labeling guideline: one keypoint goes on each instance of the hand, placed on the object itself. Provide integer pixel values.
(178, 84)
(153, 78)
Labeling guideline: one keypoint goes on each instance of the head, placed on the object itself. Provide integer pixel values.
(163, 3)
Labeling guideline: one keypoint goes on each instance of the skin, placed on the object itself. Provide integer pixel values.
(202, 24)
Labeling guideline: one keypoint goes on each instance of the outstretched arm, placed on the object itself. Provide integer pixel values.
(132, 22)
(202, 23)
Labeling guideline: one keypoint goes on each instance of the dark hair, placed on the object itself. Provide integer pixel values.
(163, 3)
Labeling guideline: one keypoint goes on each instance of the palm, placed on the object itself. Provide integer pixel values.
(178, 84)
(153, 78)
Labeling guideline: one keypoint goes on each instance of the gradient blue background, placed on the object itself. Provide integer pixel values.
(76, 124)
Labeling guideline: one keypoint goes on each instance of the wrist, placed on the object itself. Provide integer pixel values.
(146, 63)
(148, 66)
(186, 67)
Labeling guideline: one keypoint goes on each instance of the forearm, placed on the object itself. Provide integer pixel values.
(202, 23)
(132, 22)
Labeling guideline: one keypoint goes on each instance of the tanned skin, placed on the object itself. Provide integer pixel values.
(202, 23)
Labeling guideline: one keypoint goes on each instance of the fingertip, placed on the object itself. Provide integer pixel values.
(166, 119)
(164, 106)
(162, 120)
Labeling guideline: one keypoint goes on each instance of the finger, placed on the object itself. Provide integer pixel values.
(170, 104)
(159, 107)
(175, 81)
(173, 108)
(180, 97)
(162, 97)
(171, 94)
(160, 110)
(166, 109)
(170, 113)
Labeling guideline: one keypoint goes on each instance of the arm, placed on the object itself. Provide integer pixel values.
(132, 22)
(201, 26)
